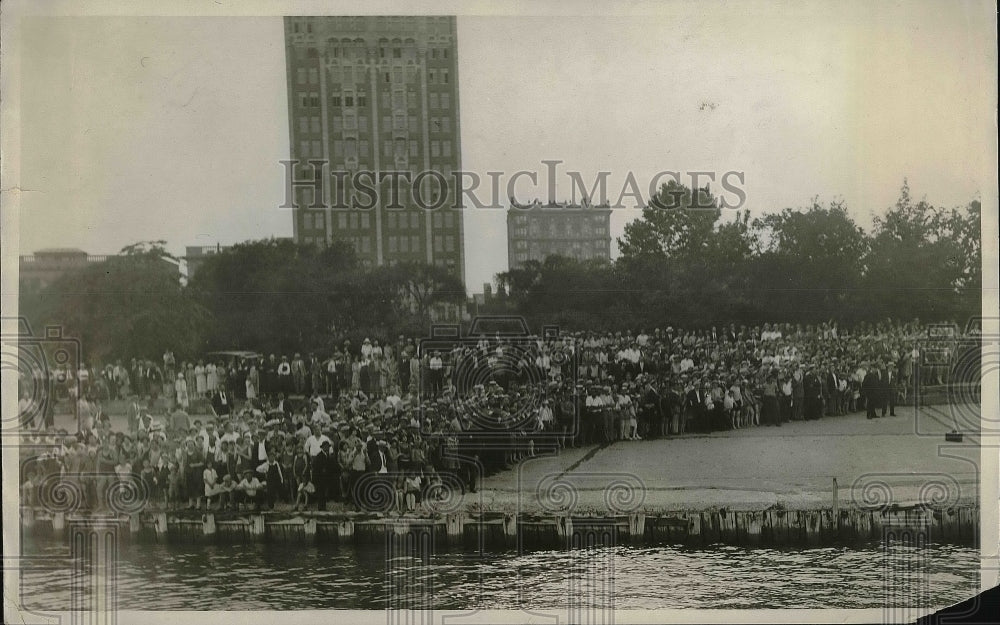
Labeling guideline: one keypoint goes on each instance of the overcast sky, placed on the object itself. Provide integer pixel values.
(173, 127)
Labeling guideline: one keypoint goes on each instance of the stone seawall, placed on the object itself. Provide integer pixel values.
(491, 531)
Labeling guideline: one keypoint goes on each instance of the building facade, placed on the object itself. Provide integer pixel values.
(377, 94)
(46, 266)
(535, 231)
(38, 270)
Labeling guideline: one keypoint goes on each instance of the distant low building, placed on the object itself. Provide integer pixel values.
(195, 255)
(479, 301)
(38, 270)
(46, 266)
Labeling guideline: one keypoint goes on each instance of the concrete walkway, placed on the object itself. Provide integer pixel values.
(900, 459)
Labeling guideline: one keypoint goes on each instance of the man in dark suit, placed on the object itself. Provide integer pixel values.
(322, 470)
(832, 391)
(221, 403)
(730, 334)
(258, 450)
(651, 411)
(812, 388)
(694, 407)
(871, 389)
(889, 389)
(376, 456)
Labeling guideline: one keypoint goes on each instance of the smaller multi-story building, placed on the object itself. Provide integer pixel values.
(535, 231)
(38, 270)
(46, 266)
(195, 255)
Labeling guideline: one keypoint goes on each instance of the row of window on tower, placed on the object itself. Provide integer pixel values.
(353, 149)
(310, 99)
(403, 220)
(360, 220)
(595, 246)
(569, 229)
(443, 244)
(577, 253)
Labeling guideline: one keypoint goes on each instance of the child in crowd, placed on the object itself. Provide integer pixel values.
(225, 491)
(412, 488)
(399, 492)
(251, 490)
(174, 480)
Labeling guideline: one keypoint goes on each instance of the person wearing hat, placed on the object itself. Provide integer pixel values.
(609, 414)
(181, 390)
(210, 478)
(251, 490)
(315, 440)
(887, 389)
(871, 389)
(284, 376)
(812, 388)
(591, 417)
(274, 478)
(355, 459)
(435, 368)
(694, 406)
(221, 402)
(225, 490)
(268, 376)
(786, 394)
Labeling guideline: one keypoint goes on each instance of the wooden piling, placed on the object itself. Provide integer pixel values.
(637, 527)
(776, 526)
(208, 524)
(695, 535)
(564, 527)
(345, 531)
(510, 530)
(753, 527)
(454, 528)
(257, 526)
(160, 526)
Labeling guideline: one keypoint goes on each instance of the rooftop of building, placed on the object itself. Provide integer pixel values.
(516, 206)
(60, 251)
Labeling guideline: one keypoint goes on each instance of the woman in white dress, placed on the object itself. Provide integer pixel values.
(181, 387)
(211, 378)
(200, 381)
(252, 383)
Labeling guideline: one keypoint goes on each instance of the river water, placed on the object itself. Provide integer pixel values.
(280, 577)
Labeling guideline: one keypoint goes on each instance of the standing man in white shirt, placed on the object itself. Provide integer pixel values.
(314, 443)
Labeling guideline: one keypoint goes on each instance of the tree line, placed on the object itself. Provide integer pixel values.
(678, 265)
(269, 295)
(686, 263)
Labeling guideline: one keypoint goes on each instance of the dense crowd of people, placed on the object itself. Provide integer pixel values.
(309, 430)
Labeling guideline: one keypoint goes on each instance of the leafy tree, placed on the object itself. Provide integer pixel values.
(564, 291)
(277, 296)
(811, 263)
(677, 223)
(131, 305)
(420, 287)
(925, 260)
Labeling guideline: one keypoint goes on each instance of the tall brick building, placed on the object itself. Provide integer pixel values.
(538, 230)
(376, 93)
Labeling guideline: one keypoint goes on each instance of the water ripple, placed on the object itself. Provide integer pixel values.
(166, 577)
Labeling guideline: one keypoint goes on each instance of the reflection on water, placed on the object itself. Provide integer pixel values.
(279, 577)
